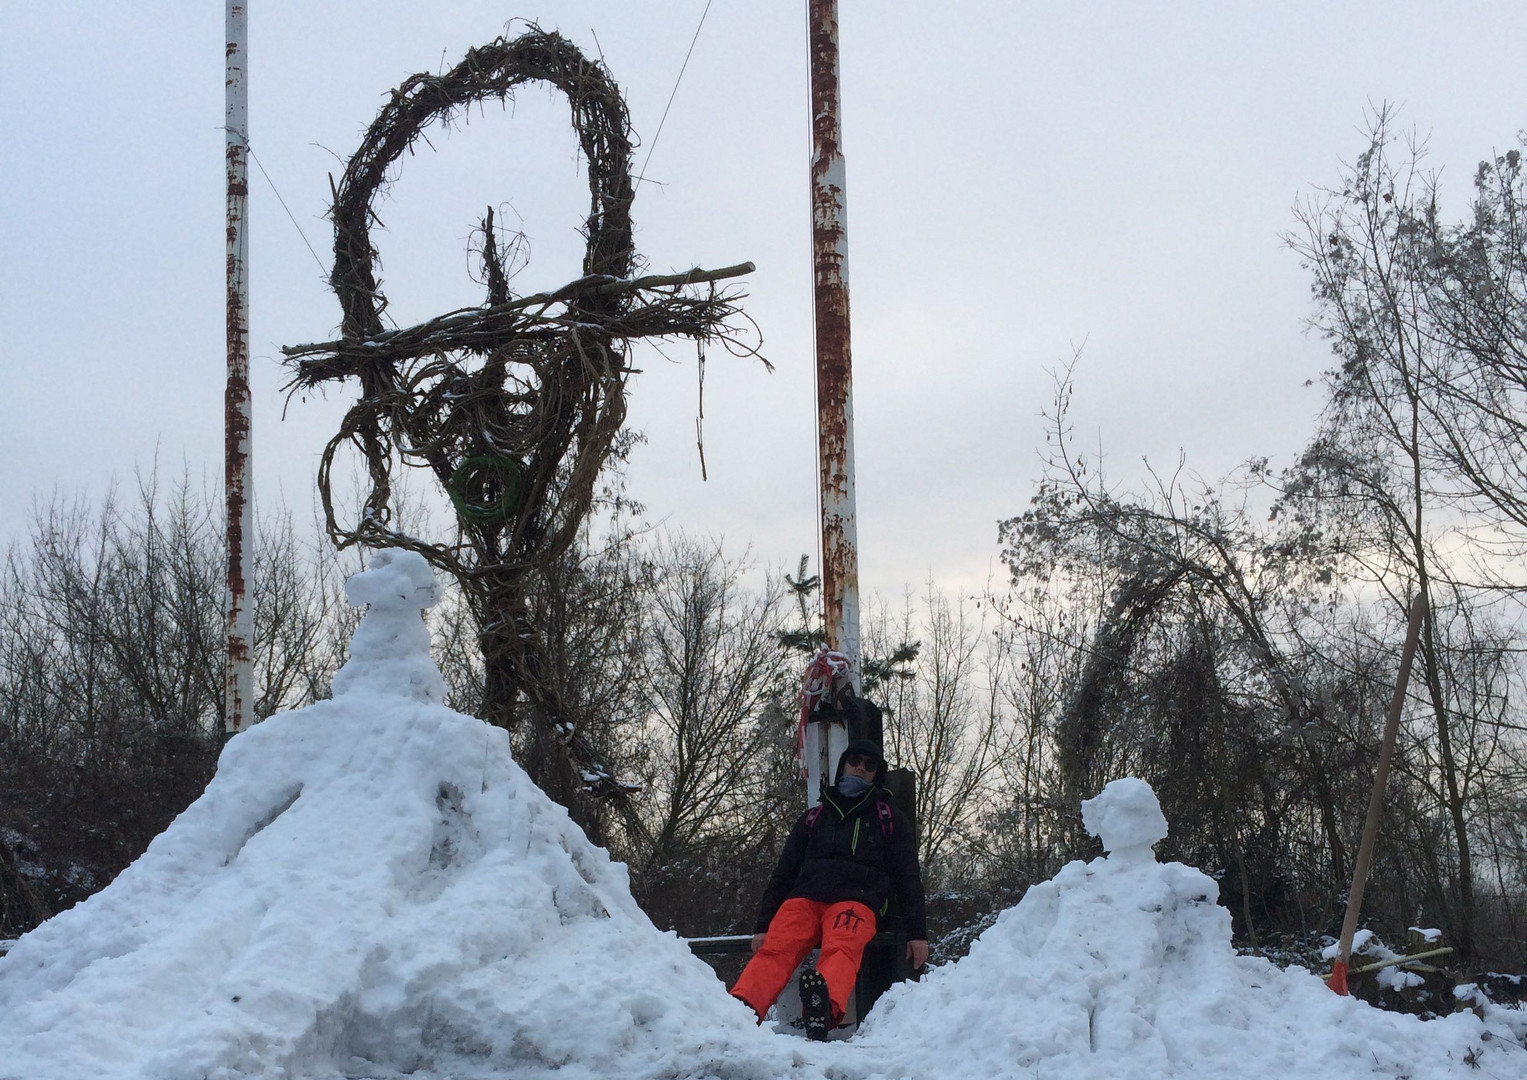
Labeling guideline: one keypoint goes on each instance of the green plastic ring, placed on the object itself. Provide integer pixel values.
(475, 472)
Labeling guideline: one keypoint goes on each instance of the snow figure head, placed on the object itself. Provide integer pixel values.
(1127, 818)
(390, 651)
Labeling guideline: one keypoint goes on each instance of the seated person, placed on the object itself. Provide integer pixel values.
(845, 859)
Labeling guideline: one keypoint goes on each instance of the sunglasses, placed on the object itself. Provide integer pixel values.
(861, 761)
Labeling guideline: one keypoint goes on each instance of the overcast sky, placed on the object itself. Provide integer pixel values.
(1022, 179)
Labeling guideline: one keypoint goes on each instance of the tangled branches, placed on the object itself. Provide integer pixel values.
(514, 405)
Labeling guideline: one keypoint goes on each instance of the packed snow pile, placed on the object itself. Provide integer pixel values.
(1122, 968)
(369, 886)
(372, 888)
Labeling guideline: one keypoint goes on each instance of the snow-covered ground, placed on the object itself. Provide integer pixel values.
(371, 887)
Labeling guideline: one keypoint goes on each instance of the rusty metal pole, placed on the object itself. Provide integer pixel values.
(835, 409)
(238, 700)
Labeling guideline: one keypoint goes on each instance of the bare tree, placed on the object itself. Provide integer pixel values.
(1189, 617)
(943, 721)
(111, 675)
(1414, 478)
(1036, 650)
(720, 768)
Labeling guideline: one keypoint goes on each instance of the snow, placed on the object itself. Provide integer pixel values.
(1123, 969)
(1361, 940)
(389, 653)
(1126, 817)
(371, 887)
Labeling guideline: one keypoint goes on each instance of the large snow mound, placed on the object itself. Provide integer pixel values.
(372, 888)
(370, 885)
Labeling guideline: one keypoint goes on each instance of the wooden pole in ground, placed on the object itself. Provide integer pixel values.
(1338, 979)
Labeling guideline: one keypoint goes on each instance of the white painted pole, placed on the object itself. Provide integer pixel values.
(238, 701)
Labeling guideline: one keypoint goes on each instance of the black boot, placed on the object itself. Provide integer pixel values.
(816, 1007)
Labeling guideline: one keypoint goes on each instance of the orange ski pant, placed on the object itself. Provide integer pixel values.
(842, 929)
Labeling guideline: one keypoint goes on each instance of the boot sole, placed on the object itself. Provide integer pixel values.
(816, 1007)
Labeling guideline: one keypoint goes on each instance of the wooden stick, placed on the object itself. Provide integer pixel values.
(1392, 961)
(587, 286)
(1338, 977)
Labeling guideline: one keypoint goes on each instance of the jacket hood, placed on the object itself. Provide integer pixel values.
(862, 746)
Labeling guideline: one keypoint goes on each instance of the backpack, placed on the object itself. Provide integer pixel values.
(882, 813)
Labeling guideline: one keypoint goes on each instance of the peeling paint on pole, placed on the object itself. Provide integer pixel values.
(835, 409)
(238, 702)
(835, 402)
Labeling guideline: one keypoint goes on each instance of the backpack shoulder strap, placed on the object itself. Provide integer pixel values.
(883, 812)
(813, 816)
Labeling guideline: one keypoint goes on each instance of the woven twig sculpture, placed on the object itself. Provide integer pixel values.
(512, 405)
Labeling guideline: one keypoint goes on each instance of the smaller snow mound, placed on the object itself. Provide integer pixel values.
(1122, 968)
(370, 886)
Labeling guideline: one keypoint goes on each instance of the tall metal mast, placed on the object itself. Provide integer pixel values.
(238, 701)
(835, 411)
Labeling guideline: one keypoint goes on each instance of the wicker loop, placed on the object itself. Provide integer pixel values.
(489, 72)
(513, 405)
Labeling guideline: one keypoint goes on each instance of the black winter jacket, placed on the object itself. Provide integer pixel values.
(846, 855)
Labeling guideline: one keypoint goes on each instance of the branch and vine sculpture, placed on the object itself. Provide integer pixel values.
(514, 405)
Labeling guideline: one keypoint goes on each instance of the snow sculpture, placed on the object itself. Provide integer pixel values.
(1126, 816)
(389, 653)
